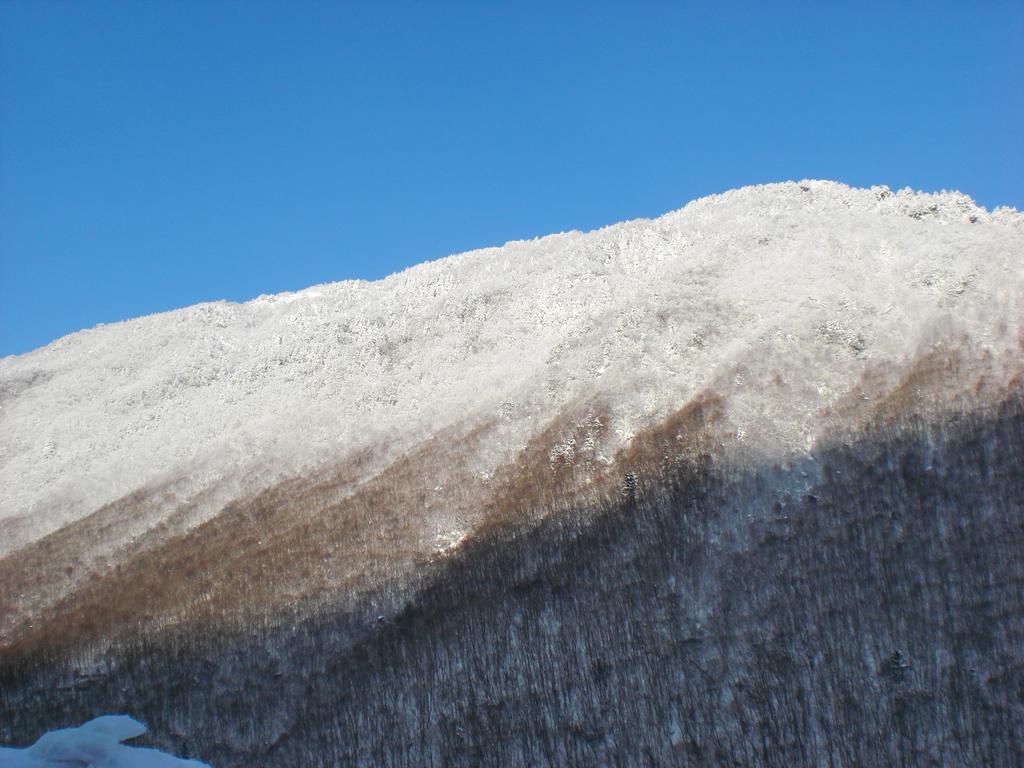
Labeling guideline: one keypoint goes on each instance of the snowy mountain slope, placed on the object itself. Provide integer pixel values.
(795, 289)
(672, 456)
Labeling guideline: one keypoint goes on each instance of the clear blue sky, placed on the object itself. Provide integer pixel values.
(158, 154)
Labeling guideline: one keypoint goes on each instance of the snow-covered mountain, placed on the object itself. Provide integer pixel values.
(780, 297)
(306, 454)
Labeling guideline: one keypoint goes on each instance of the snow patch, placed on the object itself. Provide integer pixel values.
(96, 744)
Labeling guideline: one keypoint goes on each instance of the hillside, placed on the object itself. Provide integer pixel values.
(750, 465)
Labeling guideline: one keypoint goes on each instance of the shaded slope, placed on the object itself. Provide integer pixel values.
(864, 606)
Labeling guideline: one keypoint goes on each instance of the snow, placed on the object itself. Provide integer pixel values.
(779, 296)
(96, 744)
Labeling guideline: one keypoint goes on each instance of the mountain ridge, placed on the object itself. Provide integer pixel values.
(520, 331)
(731, 459)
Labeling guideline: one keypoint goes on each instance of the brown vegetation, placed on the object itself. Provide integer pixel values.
(324, 541)
(317, 542)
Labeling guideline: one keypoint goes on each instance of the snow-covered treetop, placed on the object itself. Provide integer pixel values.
(779, 296)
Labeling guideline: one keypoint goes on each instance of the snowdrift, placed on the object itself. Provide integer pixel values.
(96, 744)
